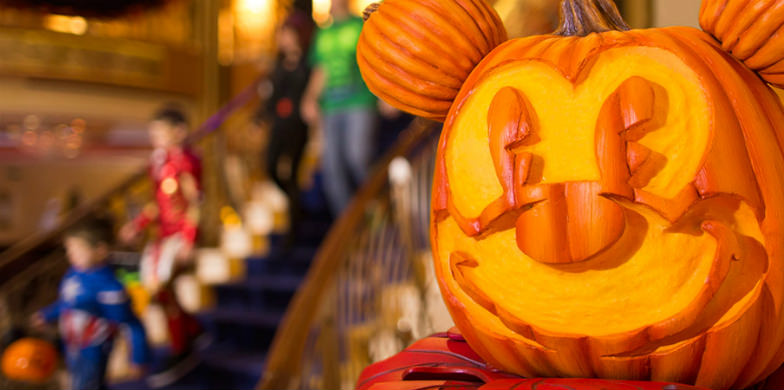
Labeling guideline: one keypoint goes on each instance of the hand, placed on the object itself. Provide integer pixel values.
(310, 111)
(185, 254)
(128, 233)
(135, 371)
(37, 321)
(387, 110)
(152, 286)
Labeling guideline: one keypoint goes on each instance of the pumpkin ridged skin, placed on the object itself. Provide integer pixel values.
(752, 30)
(415, 54)
(714, 341)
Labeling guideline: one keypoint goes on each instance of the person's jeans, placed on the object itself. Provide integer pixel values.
(87, 366)
(349, 137)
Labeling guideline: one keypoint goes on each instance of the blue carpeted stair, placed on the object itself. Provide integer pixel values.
(247, 312)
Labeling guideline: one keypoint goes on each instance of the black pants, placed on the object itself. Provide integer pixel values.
(286, 146)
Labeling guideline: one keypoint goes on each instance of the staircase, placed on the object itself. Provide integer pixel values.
(247, 312)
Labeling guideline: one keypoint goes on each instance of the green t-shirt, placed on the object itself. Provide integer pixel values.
(335, 51)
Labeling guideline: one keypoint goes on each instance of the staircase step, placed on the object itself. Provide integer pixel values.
(254, 299)
(295, 262)
(241, 316)
(309, 230)
(246, 333)
(266, 282)
(193, 380)
(259, 291)
(299, 253)
(227, 358)
(196, 380)
(236, 369)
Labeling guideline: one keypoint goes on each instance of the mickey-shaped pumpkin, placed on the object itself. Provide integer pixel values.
(607, 202)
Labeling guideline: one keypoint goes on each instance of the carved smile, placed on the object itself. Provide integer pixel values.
(715, 264)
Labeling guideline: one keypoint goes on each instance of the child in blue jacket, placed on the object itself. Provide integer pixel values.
(92, 307)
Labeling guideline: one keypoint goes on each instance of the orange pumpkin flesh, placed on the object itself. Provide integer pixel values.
(608, 206)
(752, 30)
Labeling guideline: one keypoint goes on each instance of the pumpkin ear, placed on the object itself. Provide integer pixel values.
(416, 54)
(752, 31)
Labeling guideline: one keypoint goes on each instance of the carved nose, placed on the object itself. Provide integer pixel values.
(573, 224)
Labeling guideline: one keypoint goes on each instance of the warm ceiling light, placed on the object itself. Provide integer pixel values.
(66, 24)
(254, 23)
(253, 6)
(321, 11)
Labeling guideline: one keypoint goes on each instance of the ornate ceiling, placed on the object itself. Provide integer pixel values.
(93, 8)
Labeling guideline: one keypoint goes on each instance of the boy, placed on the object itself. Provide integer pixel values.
(92, 306)
(175, 174)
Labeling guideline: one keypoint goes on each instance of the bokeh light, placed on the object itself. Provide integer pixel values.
(31, 122)
(29, 138)
(321, 11)
(76, 25)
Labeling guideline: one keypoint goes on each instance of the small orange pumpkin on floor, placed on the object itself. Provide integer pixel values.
(29, 360)
(608, 202)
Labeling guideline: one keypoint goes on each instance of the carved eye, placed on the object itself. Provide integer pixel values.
(511, 125)
(635, 109)
(541, 128)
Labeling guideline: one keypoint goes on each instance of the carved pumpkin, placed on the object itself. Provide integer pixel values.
(29, 360)
(752, 31)
(608, 203)
(415, 54)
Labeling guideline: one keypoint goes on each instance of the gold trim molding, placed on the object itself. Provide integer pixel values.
(52, 55)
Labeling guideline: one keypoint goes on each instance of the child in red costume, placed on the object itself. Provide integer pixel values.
(175, 172)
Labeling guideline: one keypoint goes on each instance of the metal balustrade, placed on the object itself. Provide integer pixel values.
(370, 290)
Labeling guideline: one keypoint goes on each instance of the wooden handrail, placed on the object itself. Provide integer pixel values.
(289, 343)
(15, 258)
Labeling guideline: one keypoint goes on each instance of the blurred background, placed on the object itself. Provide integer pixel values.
(79, 82)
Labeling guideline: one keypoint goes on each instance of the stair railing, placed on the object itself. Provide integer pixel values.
(367, 293)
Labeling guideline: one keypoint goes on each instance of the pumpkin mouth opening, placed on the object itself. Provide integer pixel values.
(677, 279)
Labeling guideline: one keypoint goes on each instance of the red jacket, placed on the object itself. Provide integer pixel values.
(166, 170)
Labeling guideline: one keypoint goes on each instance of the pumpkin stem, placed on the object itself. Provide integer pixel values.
(373, 7)
(582, 17)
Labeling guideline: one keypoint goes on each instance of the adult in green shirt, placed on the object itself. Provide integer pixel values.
(337, 98)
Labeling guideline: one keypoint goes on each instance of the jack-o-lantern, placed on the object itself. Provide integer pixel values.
(29, 360)
(608, 203)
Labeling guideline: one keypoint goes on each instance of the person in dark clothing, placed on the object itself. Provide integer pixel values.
(289, 133)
